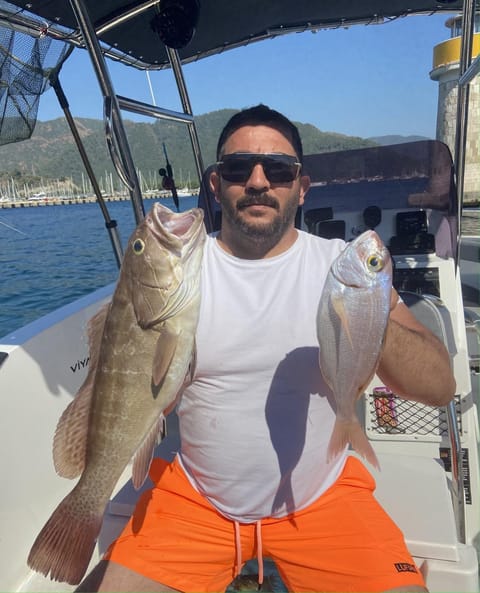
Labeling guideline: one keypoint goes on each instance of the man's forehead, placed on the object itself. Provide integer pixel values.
(259, 138)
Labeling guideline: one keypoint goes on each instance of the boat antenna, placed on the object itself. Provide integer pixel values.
(168, 182)
(150, 87)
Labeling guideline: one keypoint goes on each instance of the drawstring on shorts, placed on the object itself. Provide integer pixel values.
(258, 531)
(238, 550)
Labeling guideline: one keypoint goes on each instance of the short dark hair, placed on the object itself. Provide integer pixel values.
(258, 116)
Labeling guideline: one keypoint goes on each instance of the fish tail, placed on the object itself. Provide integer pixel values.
(63, 548)
(350, 432)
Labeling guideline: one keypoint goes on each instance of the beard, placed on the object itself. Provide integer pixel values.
(258, 230)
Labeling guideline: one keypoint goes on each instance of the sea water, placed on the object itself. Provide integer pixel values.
(52, 255)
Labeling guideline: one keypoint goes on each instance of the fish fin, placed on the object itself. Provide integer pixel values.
(192, 367)
(70, 440)
(164, 352)
(345, 432)
(64, 546)
(144, 455)
(188, 380)
(338, 304)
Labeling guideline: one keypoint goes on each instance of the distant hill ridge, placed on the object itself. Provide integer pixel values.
(51, 152)
(396, 139)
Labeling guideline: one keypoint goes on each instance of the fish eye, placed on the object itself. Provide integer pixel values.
(374, 263)
(138, 246)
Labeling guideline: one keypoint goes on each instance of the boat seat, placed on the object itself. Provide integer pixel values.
(320, 222)
(427, 522)
(414, 491)
(315, 215)
(331, 229)
(433, 314)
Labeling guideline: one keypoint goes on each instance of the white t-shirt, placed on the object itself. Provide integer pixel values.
(256, 421)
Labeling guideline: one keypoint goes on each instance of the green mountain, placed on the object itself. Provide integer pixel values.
(51, 152)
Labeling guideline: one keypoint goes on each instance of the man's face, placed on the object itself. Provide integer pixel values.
(258, 207)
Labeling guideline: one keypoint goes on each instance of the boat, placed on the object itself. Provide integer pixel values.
(411, 194)
(184, 192)
(38, 197)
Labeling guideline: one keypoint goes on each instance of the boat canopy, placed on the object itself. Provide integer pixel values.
(137, 32)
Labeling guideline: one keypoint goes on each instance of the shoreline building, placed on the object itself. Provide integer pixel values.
(446, 59)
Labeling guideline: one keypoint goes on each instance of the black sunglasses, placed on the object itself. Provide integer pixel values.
(279, 168)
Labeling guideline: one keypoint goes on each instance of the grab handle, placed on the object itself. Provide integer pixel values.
(111, 144)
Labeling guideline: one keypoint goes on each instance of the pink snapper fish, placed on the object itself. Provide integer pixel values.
(351, 322)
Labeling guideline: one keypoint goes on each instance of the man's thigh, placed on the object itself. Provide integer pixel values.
(344, 541)
(177, 538)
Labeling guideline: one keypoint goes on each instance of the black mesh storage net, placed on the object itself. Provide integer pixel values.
(26, 64)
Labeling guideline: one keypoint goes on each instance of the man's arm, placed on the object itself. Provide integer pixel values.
(414, 363)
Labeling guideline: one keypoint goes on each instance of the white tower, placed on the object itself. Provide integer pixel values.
(446, 58)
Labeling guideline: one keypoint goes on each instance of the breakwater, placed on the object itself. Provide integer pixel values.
(79, 200)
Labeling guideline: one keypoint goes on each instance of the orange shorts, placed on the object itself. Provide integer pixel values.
(343, 542)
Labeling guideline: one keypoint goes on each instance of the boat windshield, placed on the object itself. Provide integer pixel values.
(412, 182)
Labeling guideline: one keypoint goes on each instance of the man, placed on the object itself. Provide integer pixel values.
(252, 477)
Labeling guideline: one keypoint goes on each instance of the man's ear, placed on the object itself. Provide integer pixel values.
(304, 187)
(214, 182)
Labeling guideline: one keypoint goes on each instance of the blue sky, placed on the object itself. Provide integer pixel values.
(365, 81)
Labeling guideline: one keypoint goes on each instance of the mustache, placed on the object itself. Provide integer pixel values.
(257, 200)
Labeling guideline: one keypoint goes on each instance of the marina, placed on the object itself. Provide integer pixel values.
(55, 201)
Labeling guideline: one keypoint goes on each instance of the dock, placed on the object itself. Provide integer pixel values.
(78, 200)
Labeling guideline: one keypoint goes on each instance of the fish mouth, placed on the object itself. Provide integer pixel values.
(178, 225)
(177, 229)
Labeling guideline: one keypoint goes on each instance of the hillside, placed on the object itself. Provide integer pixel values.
(51, 153)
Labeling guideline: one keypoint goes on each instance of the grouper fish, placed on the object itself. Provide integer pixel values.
(141, 354)
(351, 323)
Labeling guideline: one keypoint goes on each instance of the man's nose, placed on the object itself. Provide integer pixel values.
(258, 180)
